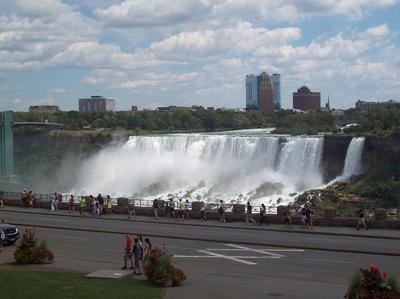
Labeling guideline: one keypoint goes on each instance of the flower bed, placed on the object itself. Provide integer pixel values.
(373, 284)
(159, 269)
(29, 252)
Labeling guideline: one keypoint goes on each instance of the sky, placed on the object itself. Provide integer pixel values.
(153, 53)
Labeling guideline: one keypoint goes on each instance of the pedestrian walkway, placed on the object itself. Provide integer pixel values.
(325, 230)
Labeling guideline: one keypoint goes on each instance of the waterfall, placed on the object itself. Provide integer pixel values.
(352, 164)
(300, 160)
(234, 166)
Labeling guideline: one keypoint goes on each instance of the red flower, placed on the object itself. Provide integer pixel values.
(384, 274)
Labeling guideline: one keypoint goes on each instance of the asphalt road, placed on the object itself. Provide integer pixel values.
(226, 235)
(218, 269)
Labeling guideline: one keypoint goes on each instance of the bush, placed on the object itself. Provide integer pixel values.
(159, 269)
(28, 252)
(373, 284)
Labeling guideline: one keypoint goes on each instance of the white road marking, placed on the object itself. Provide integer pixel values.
(273, 255)
(265, 253)
(227, 257)
(72, 238)
(329, 261)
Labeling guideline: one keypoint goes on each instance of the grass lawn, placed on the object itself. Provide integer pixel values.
(36, 284)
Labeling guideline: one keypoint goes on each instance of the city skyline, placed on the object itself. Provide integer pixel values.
(187, 53)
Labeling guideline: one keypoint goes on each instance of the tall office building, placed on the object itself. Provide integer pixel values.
(96, 104)
(266, 94)
(251, 92)
(305, 100)
(276, 82)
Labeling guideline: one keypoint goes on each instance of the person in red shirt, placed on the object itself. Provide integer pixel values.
(128, 252)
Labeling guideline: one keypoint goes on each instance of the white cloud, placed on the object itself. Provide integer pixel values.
(378, 31)
(93, 55)
(142, 13)
(242, 38)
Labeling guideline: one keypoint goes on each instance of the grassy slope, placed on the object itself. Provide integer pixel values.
(15, 284)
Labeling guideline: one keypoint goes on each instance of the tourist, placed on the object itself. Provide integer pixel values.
(147, 247)
(248, 213)
(82, 206)
(100, 201)
(263, 212)
(52, 201)
(181, 207)
(108, 205)
(203, 211)
(303, 216)
(221, 211)
(131, 208)
(156, 205)
(308, 220)
(58, 200)
(187, 206)
(93, 203)
(171, 208)
(2, 239)
(138, 255)
(166, 209)
(24, 198)
(361, 219)
(71, 204)
(128, 252)
(1, 199)
(288, 216)
(31, 199)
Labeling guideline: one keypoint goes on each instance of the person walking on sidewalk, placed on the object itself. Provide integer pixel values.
(71, 204)
(248, 213)
(131, 208)
(108, 205)
(181, 208)
(156, 206)
(147, 247)
(52, 200)
(221, 211)
(187, 206)
(171, 206)
(263, 212)
(203, 211)
(137, 256)
(82, 206)
(361, 219)
(100, 200)
(128, 255)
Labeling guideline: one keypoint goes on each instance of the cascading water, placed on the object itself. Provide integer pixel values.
(234, 166)
(352, 164)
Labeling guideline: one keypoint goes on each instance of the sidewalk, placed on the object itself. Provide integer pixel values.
(323, 230)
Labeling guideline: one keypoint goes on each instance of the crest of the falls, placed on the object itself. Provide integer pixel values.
(232, 166)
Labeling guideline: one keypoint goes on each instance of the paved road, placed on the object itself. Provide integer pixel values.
(217, 269)
(218, 234)
(295, 274)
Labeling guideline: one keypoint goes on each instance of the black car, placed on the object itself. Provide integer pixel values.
(11, 232)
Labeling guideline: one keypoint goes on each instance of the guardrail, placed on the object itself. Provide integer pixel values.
(138, 202)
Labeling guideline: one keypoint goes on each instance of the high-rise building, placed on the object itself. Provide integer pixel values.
(276, 82)
(266, 94)
(96, 104)
(251, 92)
(306, 100)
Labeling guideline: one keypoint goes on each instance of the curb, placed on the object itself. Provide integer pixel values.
(211, 240)
(216, 226)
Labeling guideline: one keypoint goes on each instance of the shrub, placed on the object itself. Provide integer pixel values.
(28, 252)
(373, 284)
(159, 269)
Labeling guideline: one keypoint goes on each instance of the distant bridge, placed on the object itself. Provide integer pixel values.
(7, 140)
